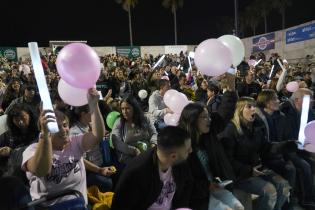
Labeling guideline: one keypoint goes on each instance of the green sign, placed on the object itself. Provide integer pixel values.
(131, 52)
(9, 52)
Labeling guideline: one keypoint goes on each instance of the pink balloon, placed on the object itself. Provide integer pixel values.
(309, 132)
(168, 95)
(165, 77)
(183, 209)
(309, 148)
(171, 119)
(175, 100)
(292, 86)
(72, 95)
(78, 65)
(251, 62)
(212, 57)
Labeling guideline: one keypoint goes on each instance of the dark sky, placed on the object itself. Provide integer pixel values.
(105, 23)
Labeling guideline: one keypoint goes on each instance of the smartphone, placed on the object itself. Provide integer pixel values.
(264, 170)
(225, 183)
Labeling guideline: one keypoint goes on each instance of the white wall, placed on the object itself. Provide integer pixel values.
(296, 50)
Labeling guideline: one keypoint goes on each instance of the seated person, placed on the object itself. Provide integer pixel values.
(132, 132)
(159, 178)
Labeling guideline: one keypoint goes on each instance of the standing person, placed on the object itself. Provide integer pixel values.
(249, 87)
(158, 179)
(55, 163)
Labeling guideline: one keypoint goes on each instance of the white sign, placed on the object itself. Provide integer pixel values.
(175, 49)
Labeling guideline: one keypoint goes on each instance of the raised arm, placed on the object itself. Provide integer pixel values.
(91, 139)
(40, 164)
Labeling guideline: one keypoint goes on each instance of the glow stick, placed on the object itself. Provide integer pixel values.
(101, 96)
(191, 54)
(41, 84)
(280, 64)
(257, 62)
(159, 61)
(190, 68)
(304, 117)
(281, 79)
(273, 66)
(231, 71)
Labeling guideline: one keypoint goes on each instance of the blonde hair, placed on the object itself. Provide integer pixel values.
(238, 114)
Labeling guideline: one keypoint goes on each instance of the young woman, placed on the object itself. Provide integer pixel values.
(55, 163)
(96, 173)
(245, 142)
(207, 161)
(131, 130)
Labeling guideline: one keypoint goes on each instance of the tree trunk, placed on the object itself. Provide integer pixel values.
(175, 23)
(130, 26)
(283, 18)
(265, 20)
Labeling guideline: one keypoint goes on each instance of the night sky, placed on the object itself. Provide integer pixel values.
(105, 23)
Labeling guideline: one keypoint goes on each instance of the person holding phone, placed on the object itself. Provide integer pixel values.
(245, 143)
(207, 161)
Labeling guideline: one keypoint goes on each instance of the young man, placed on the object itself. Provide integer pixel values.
(157, 107)
(158, 179)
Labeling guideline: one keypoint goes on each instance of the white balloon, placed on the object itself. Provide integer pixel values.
(72, 95)
(236, 47)
(142, 94)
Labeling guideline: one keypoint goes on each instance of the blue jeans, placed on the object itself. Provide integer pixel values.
(103, 183)
(221, 199)
(306, 176)
(284, 168)
(159, 125)
(73, 204)
(273, 190)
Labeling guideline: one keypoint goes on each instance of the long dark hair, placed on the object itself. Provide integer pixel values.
(189, 121)
(32, 130)
(138, 117)
(218, 162)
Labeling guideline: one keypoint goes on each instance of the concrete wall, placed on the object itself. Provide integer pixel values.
(294, 51)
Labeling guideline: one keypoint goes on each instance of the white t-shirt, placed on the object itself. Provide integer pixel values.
(68, 171)
(164, 201)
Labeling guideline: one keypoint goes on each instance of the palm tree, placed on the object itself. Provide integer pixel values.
(265, 7)
(281, 5)
(173, 5)
(251, 17)
(128, 5)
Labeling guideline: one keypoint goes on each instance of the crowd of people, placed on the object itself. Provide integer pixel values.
(237, 137)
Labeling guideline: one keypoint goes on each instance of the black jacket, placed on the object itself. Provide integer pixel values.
(201, 95)
(139, 185)
(251, 90)
(219, 166)
(245, 151)
(293, 119)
